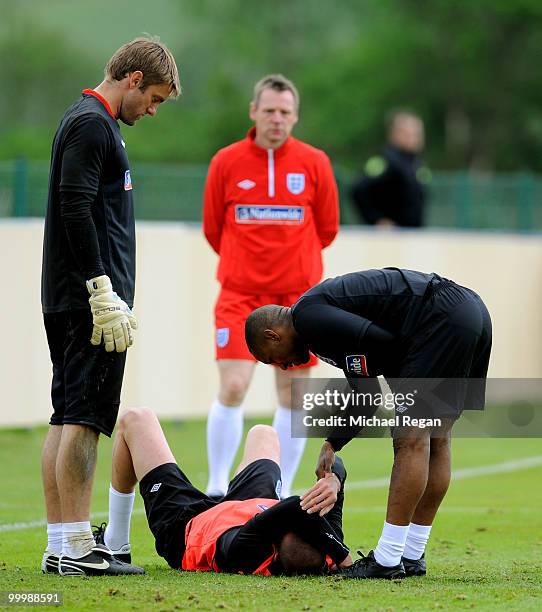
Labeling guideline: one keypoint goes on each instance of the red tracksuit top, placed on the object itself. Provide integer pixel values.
(268, 214)
(203, 531)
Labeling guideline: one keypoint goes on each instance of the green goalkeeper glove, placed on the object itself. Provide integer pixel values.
(113, 320)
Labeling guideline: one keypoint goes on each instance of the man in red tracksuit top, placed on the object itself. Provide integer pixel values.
(270, 207)
(250, 532)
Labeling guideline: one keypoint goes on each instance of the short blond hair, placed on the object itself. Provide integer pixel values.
(278, 82)
(152, 57)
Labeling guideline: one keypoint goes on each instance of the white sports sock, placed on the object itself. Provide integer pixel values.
(291, 449)
(416, 541)
(391, 544)
(54, 537)
(224, 432)
(117, 532)
(77, 539)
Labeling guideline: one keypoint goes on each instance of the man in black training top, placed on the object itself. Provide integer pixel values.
(392, 190)
(249, 531)
(400, 324)
(89, 248)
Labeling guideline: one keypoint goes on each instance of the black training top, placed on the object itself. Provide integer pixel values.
(89, 225)
(392, 188)
(348, 321)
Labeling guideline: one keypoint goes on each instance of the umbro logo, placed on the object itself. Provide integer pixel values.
(155, 487)
(246, 184)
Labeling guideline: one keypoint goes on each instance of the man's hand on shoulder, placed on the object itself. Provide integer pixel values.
(322, 496)
(113, 320)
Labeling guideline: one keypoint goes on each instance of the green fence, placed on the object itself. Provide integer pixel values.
(174, 192)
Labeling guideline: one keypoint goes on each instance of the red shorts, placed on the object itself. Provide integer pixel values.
(231, 310)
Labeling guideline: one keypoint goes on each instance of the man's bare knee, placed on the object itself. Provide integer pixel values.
(440, 449)
(410, 443)
(263, 433)
(262, 443)
(233, 389)
(440, 444)
(235, 376)
(134, 416)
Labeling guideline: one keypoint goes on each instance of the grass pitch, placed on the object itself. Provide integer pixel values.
(485, 551)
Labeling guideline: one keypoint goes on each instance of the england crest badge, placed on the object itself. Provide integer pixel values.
(295, 182)
(222, 336)
(127, 181)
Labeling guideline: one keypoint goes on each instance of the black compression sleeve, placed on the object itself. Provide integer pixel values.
(76, 213)
(335, 515)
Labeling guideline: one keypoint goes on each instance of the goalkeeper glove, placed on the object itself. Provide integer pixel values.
(113, 320)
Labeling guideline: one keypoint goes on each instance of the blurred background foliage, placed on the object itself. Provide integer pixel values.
(471, 69)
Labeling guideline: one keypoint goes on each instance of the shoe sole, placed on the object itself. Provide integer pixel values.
(72, 570)
(70, 567)
(393, 577)
(67, 569)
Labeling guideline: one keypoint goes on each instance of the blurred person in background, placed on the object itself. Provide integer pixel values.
(391, 192)
(89, 249)
(270, 207)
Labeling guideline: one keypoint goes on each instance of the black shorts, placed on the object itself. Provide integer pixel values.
(86, 379)
(171, 501)
(451, 342)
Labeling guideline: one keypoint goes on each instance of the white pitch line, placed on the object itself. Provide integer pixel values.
(514, 465)
(462, 474)
(451, 509)
(42, 522)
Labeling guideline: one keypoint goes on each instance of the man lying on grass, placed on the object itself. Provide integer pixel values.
(249, 531)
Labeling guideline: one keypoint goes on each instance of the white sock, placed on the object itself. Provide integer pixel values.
(224, 432)
(117, 532)
(77, 539)
(54, 538)
(416, 541)
(291, 449)
(391, 545)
